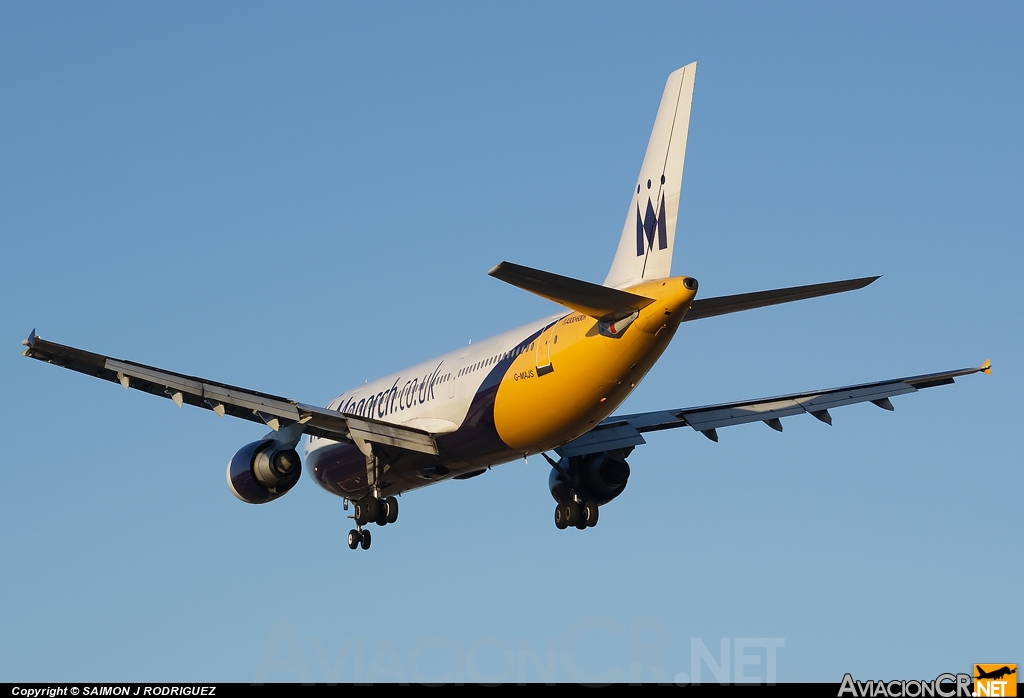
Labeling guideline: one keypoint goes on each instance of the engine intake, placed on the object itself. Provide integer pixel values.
(262, 471)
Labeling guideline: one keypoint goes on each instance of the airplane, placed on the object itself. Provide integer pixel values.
(550, 385)
(996, 674)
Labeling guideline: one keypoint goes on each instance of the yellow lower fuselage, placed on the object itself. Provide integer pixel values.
(578, 374)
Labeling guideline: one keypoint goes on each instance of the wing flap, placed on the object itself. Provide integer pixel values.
(705, 420)
(597, 440)
(841, 398)
(202, 391)
(816, 402)
(391, 435)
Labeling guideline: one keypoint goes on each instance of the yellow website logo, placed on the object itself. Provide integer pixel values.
(995, 680)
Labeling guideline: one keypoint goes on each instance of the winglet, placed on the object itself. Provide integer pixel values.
(986, 367)
(31, 339)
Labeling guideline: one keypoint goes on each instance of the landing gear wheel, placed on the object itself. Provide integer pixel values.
(572, 513)
(372, 508)
(382, 519)
(560, 523)
(366, 510)
(590, 512)
(364, 539)
(353, 539)
(390, 509)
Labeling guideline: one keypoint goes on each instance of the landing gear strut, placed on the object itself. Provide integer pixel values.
(374, 507)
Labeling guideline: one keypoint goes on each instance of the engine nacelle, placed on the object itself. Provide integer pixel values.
(596, 477)
(263, 471)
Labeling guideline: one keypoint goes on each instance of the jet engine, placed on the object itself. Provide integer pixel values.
(596, 477)
(263, 471)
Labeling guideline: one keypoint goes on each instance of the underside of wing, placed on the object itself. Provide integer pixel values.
(223, 399)
(625, 431)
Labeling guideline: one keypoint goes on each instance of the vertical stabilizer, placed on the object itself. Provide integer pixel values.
(645, 248)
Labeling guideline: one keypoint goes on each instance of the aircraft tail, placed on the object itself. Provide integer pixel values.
(645, 248)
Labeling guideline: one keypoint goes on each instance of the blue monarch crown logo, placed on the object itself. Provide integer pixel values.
(646, 223)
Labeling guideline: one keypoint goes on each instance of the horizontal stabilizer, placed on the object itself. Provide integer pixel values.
(582, 296)
(709, 307)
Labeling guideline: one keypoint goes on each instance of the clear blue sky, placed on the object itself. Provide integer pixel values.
(296, 198)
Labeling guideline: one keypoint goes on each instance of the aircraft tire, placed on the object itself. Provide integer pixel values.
(366, 510)
(364, 539)
(360, 513)
(572, 514)
(353, 539)
(560, 523)
(372, 508)
(590, 513)
(390, 509)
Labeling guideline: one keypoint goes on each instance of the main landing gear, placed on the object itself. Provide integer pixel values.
(367, 510)
(373, 507)
(581, 484)
(573, 513)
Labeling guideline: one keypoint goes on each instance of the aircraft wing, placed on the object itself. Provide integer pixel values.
(625, 431)
(223, 399)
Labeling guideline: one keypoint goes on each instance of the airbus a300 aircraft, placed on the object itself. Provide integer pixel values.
(551, 385)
